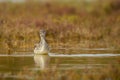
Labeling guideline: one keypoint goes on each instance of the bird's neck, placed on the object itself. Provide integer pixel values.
(43, 39)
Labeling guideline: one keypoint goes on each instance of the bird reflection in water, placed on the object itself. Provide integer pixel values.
(42, 61)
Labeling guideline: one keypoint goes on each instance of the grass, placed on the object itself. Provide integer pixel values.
(91, 25)
(68, 25)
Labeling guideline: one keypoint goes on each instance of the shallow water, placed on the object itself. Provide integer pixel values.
(10, 65)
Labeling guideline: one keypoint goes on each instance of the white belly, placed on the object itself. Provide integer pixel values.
(42, 50)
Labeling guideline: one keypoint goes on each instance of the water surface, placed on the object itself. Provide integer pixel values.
(10, 65)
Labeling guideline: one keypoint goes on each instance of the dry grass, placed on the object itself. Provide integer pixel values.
(68, 24)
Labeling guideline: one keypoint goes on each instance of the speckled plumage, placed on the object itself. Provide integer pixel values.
(42, 47)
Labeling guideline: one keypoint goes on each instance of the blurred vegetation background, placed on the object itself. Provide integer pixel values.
(74, 23)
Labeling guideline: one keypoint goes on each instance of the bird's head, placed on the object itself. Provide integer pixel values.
(42, 33)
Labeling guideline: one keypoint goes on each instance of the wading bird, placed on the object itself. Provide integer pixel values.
(42, 47)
